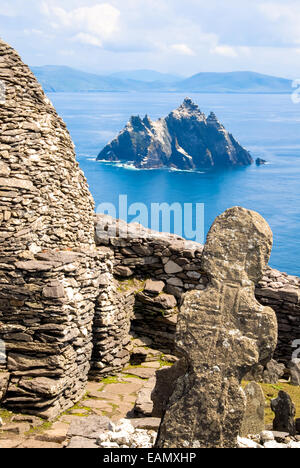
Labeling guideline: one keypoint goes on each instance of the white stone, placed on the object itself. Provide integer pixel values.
(103, 438)
(274, 445)
(34, 248)
(267, 436)
(122, 438)
(125, 425)
(293, 445)
(141, 439)
(247, 443)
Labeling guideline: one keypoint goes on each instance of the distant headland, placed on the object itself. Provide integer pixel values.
(55, 78)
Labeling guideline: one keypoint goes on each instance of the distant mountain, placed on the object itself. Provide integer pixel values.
(234, 82)
(147, 76)
(185, 139)
(64, 79)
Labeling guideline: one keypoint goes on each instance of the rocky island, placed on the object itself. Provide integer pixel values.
(186, 139)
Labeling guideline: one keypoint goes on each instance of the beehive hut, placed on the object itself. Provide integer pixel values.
(49, 267)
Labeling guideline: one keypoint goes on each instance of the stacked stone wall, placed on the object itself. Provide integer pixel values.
(46, 323)
(282, 292)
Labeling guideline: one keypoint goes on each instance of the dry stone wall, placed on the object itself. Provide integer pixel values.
(140, 252)
(111, 328)
(282, 292)
(46, 324)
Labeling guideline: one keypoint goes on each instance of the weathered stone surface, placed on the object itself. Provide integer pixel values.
(82, 442)
(254, 417)
(166, 379)
(144, 403)
(126, 272)
(154, 287)
(243, 443)
(285, 412)
(270, 373)
(295, 372)
(4, 379)
(172, 267)
(222, 332)
(54, 290)
(146, 423)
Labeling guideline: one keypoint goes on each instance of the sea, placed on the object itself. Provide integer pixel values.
(267, 125)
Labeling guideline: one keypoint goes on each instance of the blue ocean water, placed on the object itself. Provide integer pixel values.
(267, 125)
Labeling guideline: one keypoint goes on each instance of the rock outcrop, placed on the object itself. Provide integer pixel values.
(285, 413)
(186, 139)
(222, 332)
(254, 417)
(295, 372)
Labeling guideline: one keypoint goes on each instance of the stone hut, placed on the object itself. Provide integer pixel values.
(49, 266)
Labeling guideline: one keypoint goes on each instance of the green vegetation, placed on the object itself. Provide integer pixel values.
(271, 392)
(46, 426)
(131, 376)
(163, 363)
(5, 415)
(131, 283)
(110, 380)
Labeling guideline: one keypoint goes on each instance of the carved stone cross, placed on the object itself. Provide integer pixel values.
(222, 333)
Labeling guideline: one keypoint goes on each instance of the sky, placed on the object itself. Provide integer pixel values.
(171, 36)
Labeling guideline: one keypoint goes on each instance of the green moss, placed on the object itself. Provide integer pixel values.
(131, 283)
(131, 376)
(46, 426)
(163, 363)
(114, 406)
(5, 415)
(110, 380)
(79, 407)
(133, 366)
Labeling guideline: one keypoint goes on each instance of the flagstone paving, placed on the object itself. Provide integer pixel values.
(113, 397)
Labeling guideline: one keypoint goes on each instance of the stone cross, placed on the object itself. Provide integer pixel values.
(222, 333)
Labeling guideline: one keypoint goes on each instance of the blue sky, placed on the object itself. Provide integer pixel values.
(177, 36)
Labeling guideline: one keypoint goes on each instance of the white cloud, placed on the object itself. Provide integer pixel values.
(183, 49)
(92, 24)
(85, 38)
(286, 18)
(225, 51)
(262, 35)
